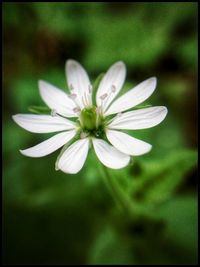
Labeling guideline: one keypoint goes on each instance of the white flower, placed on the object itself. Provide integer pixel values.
(97, 124)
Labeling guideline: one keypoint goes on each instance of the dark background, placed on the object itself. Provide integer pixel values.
(50, 217)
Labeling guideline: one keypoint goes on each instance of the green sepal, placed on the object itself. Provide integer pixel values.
(96, 86)
(39, 109)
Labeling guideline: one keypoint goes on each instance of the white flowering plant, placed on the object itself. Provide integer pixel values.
(67, 216)
(91, 116)
(86, 117)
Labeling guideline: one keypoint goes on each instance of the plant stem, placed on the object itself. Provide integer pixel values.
(133, 209)
(121, 198)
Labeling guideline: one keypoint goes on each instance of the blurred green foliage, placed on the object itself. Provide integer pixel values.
(51, 217)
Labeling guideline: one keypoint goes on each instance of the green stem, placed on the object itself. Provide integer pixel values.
(124, 201)
(121, 198)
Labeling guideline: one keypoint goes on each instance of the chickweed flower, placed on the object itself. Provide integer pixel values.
(80, 124)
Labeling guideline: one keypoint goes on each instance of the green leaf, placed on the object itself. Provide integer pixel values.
(95, 87)
(39, 109)
(159, 179)
(180, 215)
(110, 248)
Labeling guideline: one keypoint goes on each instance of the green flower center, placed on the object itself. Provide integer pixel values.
(92, 123)
(88, 118)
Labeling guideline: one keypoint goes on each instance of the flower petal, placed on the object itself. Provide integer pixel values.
(57, 99)
(111, 84)
(109, 155)
(73, 159)
(139, 119)
(43, 123)
(127, 144)
(133, 97)
(78, 81)
(50, 145)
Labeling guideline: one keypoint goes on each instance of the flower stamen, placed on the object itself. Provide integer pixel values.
(73, 96)
(113, 88)
(86, 98)
(76, 110)
(83, 135)
(90, 88)
(71, 87)
(75, 99)
(105, 97)
(53, 112)
(102, 97)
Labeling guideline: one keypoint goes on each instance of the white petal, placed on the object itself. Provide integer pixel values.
(57, 99)
(115, 76)
(73, 159)
(43, 123)
(133, 97)
(50, 145)
(127, 144)
(78, 79)
(109, 155)
(139, 119)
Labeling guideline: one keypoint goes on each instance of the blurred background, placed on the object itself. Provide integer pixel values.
(50, 217)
